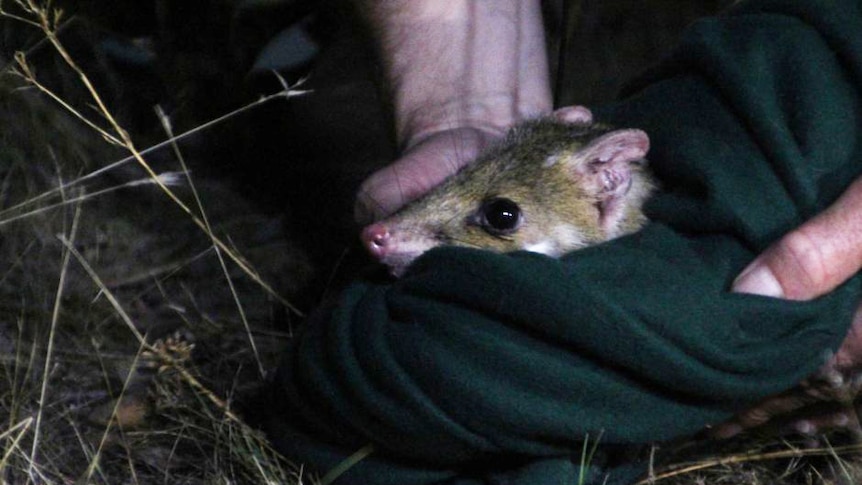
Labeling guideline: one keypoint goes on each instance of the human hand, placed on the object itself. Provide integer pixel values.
(459, 73)
(826, 400)
(807, 263)
(419, 169)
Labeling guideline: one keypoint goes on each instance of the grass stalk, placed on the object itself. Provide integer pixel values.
(47, 20)
(166, 124)
(55, 316)
(741, 458)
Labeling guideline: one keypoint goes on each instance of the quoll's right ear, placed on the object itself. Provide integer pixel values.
(579, 115)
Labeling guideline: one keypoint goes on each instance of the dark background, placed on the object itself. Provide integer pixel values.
(302, 160)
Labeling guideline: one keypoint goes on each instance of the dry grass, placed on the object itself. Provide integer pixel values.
(764, 460)
(132, 318)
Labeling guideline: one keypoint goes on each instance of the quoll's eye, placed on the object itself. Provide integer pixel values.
(500, 216)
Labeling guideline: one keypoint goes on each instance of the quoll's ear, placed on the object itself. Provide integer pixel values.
(604, 166)
(579, 115)
(605, 169)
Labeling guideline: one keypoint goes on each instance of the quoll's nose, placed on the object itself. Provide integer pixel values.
(376, 239)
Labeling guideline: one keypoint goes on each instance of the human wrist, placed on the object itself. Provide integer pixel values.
(473, 64)
(487, 115)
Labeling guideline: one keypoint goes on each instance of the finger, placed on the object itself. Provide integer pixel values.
(762, 413)
(580, 115)
(385, 191)
(848, 357)
(424, 166)
(408, 178)
(842, 419)
(813, 259)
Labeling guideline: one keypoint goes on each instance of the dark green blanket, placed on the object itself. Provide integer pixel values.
(483, 368)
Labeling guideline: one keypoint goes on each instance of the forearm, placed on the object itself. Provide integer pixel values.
(457, 63)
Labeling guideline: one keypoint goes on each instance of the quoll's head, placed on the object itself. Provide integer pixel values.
(549, 187)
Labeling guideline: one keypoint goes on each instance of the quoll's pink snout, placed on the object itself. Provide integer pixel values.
(376, 239)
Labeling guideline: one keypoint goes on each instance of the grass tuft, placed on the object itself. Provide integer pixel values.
(120, 357)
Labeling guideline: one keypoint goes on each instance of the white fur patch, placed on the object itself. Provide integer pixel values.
(410, 245)
(403, 250)
(561, 240)
(546, 247)
(568, 237)
(551, 161)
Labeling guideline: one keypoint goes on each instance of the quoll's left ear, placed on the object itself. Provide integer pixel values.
(604, 167)
(605, 170)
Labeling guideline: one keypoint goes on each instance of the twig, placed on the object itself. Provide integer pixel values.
(166, 124)
(163, 356)
(21, 427)
(676, 470)
(287, 93)
(81, 198)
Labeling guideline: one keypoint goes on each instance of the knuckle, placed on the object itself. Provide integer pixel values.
(805, 256)
(755, 417)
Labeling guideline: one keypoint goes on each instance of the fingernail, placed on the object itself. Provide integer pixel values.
(841, 420)
(757, 279)
(805, 427)
(727, 431)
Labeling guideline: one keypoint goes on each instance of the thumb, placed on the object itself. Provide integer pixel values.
(424, 165)
(814, 258)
